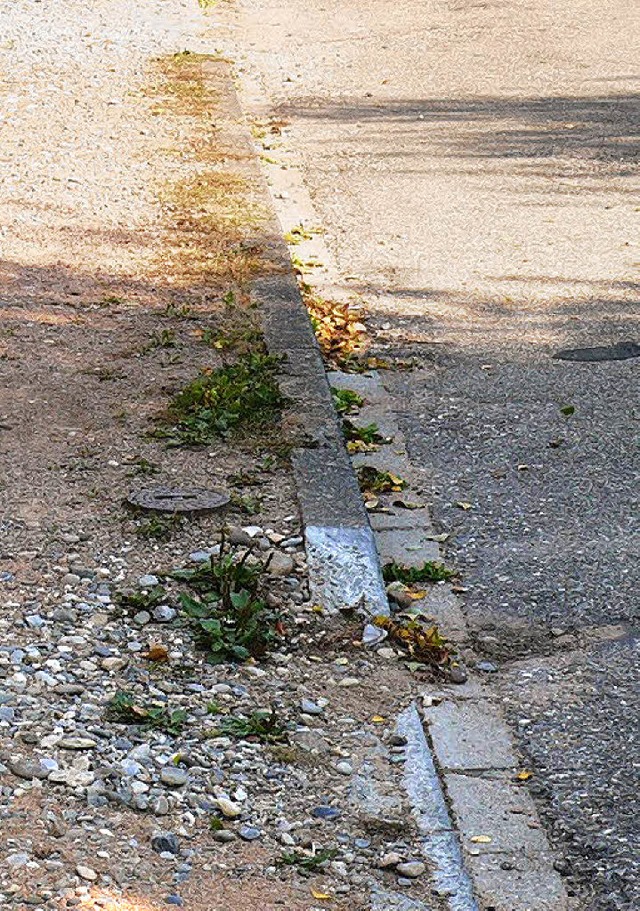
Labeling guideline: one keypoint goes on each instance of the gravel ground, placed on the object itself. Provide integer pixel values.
(474, 166)
(123, 171)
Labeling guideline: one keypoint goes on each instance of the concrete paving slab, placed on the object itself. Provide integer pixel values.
(495, 808)
(516, 883)
(469, 735)
(407, 546)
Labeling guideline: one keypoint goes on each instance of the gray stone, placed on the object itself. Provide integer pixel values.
(497, 809)
(148, 581)
(173, 777)
(411, 869)
(311, 708)
(29, 769)
(280, 564)
(163, 613)
(165, 843)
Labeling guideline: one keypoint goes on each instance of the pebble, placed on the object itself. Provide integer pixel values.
(164, 614)
(412, 869)
(142, 618)
(349, 681)
(345, 768)
(280, 564)
(311, 708)
(325, 812)
(249, 833)
(86, 873)
(148, 581)
(173, 777)
(165, 843)
(228, 808)
(488, 667)
(77, 743)
(458, 674)
(392, 859)
(28, 769)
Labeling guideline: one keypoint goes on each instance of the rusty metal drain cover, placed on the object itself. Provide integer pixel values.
(620, 352)
(178, 499)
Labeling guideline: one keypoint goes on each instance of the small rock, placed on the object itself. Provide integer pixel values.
(228, 808)
(173, 777)
(174, 900)
(280, 564)
(165, 843)
(411, 869)
(142, 618)
(458, 674)
(148, 581)
(345, 768)
(163, 613)
(86, 873)
(249, 833)
(326, 812)
(397, 740)
(311, 708)
(29, 769)
(239, 537)
(399, 593)
(77, 743)
(488, 667)
(349, 681)
(392, 859)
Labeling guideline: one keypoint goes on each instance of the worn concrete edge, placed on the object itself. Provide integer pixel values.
(440, 845)
(343, 564)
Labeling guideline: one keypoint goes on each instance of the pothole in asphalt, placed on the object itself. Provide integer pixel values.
(621, 351)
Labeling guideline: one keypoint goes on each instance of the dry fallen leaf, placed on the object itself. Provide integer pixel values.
(461, 504)
(321, 896)
(481, 839)
(524, 775)
(378, 719)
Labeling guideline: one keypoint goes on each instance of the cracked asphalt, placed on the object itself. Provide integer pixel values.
(474, 165)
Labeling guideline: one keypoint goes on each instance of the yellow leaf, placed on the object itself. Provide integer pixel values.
(378, 719)
(321, 896)
(481, 839)
(417, 596)
(524, 775)
(317, 609)
(462, 505)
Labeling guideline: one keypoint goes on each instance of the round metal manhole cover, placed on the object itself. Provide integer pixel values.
(620, 352)
(178, 499)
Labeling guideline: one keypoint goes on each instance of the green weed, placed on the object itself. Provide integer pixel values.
(259, 725)
(372, 480)
(346, 401)
(230, 621)
(411, 575)
(370, 434)
(311, 863)
(142, 600)
(158, 528)
(244, 394)
(124, 709)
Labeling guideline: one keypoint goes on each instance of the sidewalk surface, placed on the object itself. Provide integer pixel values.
(474, 166)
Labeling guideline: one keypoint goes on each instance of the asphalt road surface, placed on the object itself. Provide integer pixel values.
(475, 167)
